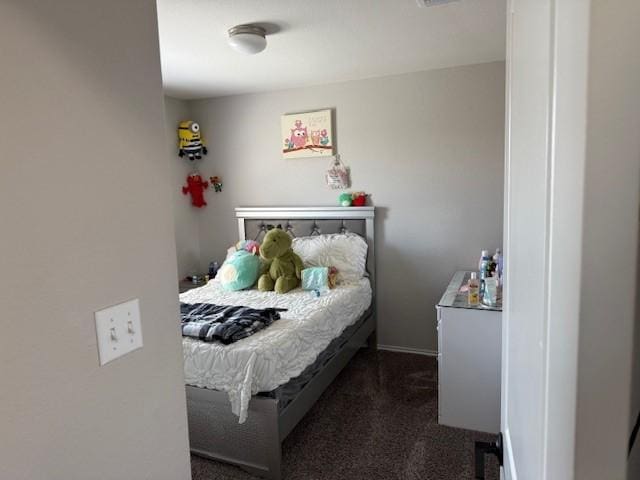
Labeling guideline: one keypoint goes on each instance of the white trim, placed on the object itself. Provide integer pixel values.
(509, 467)
(305, 212)
(417, 351)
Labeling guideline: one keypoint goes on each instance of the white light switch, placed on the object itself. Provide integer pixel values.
(119, 330)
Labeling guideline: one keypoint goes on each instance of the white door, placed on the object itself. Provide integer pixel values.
(545, 132)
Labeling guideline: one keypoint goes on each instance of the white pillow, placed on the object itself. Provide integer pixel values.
(345, 251)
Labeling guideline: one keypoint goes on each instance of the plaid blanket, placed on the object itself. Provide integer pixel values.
(224, 323)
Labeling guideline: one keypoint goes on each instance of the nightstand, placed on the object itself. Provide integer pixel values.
(186, 285)
(469, 357)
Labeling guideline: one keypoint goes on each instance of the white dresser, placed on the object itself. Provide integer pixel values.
(469, 353)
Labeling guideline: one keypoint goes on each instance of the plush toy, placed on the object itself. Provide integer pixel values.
(239, 271)
(319, 278)
(359, 199)
(216, 183)
(196, 187)
(250, 246)
(345, 199)
(286, 267)
(189, 140)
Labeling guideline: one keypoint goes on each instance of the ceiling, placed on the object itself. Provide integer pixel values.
(321, 41)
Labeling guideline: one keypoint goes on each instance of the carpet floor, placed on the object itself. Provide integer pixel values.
(378, 420)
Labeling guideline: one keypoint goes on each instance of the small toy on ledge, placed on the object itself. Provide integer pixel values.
(359, 199)
(356, 199)
(216, 183)
(345, 199)
(195, 187)
(190, 141)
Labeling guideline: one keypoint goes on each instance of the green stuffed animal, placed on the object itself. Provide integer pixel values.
(286, 267)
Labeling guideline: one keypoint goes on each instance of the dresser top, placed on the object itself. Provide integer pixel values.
(454, 298)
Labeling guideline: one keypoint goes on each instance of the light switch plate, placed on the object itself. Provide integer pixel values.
(119, 330)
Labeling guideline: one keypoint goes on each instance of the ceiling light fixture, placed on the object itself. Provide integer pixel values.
(433, 3)
(249, 39)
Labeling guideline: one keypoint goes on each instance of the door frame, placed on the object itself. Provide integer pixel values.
(567, 64)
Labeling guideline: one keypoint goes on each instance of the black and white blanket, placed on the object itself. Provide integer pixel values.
(224, 323)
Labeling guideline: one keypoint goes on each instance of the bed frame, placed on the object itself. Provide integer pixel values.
(255, 446)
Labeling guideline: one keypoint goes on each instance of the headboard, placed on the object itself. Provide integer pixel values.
(304, 221)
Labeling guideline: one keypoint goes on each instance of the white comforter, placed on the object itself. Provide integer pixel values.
(278, 353)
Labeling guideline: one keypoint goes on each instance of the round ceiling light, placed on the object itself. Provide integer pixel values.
(249, 39)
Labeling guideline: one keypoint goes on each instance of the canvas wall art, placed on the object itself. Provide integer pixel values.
(308, 134)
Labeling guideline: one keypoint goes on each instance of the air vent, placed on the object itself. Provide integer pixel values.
(433, 3)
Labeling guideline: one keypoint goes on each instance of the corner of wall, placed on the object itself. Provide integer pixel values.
(186, 217)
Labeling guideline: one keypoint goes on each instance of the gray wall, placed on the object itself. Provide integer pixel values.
(185, 217)
(610, 229)
(84, 198)
(427, 145)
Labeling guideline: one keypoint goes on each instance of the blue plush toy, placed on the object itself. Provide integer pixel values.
(239, 271)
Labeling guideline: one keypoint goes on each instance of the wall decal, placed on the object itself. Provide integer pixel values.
(307, 134)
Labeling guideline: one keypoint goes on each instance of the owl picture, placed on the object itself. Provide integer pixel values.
(307, 134)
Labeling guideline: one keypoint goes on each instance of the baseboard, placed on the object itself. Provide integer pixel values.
(418, 351)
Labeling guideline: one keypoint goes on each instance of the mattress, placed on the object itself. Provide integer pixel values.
(282, 351)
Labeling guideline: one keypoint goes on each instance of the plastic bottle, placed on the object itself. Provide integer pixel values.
(484, 266)
(497, 259)
(490, 292)
(473, 289)
(213, 269)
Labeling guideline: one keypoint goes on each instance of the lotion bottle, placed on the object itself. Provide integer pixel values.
(473, 289)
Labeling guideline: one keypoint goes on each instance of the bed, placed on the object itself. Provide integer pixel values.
(244, 399)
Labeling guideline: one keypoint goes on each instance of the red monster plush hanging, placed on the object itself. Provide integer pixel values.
(196, 187)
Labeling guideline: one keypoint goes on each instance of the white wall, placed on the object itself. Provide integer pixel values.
(428, 146)
(634, 460)
(84, 196)
(186, 218)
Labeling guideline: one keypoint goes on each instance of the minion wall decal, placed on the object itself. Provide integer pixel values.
(190, 141)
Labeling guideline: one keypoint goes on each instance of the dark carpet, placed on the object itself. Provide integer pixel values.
(377, 421)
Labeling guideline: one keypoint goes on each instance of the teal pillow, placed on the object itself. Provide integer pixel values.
(239, 271)
(315, 278)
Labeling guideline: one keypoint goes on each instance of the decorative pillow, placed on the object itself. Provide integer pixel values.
(345, 251)
(239, 271)
(319, 278)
